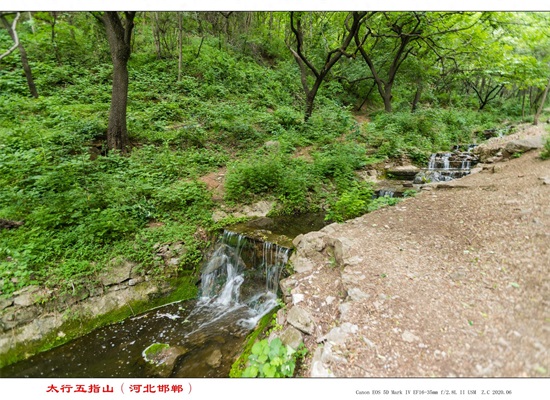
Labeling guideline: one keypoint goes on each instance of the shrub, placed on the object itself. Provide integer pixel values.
(255, 177)
(270, 360)
(352, 203)
(545, 154)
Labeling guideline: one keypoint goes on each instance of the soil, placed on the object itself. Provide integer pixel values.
(454, 282)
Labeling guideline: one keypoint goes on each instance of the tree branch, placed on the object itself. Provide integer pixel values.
(12, 32)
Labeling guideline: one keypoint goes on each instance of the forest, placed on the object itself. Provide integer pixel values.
(108, 120)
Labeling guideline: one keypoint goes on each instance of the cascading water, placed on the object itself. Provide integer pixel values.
(447, 166)
(238, 286)
(227, 270)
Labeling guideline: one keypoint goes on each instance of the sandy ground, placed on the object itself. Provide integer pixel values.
(454, 282)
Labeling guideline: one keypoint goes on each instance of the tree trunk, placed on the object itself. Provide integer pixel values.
(541, 105)
(117, 132)
(156, 34)
(119, 37)
(54, 42)
(180, 45)
(24, 61)
(523, 105)
(387, 96)
(417, 96)
(310, 99)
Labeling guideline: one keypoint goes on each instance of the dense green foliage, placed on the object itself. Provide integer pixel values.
(270, 359)
(237, 104)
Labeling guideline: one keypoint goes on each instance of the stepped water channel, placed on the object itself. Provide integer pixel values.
(198, 338)
(442, 167)
(447, 166)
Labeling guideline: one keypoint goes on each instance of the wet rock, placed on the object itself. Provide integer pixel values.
(214, 264)
(215, 358)
(161, 358)
(300, 319)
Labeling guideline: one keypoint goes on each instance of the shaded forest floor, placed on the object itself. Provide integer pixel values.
(453, 282)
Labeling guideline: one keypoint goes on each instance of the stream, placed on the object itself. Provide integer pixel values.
(200, 337)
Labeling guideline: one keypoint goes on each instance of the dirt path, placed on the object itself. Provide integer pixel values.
(453, 282)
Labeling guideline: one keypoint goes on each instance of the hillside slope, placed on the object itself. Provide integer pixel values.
(453, 282)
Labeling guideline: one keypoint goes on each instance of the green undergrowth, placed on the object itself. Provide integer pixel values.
(81, 207)
(263, 325)
(428, 130)
(545, 154)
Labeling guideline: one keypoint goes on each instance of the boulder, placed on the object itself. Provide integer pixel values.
(161, 358)
(259, 209)
(215, 358)
(117, 270)
(405, 172)
(292, 337)
(522, 145)
(300, 319)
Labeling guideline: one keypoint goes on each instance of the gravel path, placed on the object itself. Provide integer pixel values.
(453, 282)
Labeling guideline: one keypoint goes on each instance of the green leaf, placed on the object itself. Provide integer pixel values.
(250, 372)
(257, 348)
(269, 370)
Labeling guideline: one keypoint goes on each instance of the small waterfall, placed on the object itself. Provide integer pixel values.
(242, 273)
(386, 193)
(444, 167)
(446, 163)
(431, 164)
(204, 336)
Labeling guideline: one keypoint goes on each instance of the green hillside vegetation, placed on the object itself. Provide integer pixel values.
(238, 104)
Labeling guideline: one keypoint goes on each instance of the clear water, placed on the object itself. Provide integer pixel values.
(238, 286)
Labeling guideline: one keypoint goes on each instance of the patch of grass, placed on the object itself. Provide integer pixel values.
(545, 153)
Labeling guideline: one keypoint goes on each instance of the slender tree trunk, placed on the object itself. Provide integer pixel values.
(541, 105)
(156, 34)
(24, 61)
(180, 45)
(310, 99)
(523, 105)
(417, 96)
(33, 30)
(387, 96)
(119, 37)
(54, 42)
